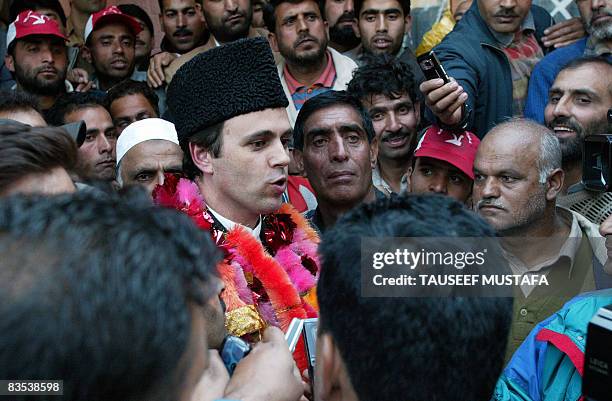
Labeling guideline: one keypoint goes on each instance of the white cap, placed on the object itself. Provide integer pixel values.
(144, 130)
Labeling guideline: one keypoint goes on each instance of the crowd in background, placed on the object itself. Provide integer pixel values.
(160, 207)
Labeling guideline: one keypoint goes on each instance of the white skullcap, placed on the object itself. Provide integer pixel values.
(144, 130)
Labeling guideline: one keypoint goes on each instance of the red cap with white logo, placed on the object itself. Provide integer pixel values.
(30, 23)
(455, 147)
(108, 15)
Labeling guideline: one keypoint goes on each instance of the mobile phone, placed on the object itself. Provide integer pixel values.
(232, 352)
(431, 67)
(310, 340)
(293, 333)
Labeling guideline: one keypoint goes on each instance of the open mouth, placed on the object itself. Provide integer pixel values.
(119, 64)
(382, 43)
(396, 140)
(562, 131)
(279, 184)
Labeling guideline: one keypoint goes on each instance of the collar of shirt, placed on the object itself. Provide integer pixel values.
(228, 224)
(596, 48)
(326, 79)
(379, 182)
(567, 250)
(505, 39)
(67, 84)
(139, 76)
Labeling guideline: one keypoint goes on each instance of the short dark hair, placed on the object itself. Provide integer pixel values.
(95, 290)
(383, 75)
(161, 4)
(11, 101)
(74, 101)
(405, 4)
(210, 138)
(582, 61)
(135, 11)
(131, 87)
(269, 11)
(323, 101)
(26, 150)
(393, 347)
(22, 5)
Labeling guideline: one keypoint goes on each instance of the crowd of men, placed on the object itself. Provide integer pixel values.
(161, 211)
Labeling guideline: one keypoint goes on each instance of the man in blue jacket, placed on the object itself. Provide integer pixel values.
(599, 42)
(490, 54)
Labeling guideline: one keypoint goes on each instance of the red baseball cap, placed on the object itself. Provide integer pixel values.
(111, 14)
(30, 23)
(455, 147)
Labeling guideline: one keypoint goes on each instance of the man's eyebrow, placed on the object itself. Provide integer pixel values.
(585, 91)
(404, 103)
(143, 170)
(351, 128)
(263, 134)
(106, 36)
(317, 132)
(378, 109)
(174, 169)
(93, 131)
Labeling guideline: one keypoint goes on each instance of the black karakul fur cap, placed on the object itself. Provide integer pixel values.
(224, 82)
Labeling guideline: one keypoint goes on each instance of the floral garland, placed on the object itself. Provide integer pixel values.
(263, 286)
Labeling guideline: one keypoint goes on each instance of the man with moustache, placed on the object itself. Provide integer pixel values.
(338, 145)
(183, 25)
(235, 139)
(577, 107)
(110, 44)
(144, 40)
(517, 179)
(37, 57)
(387, 90)
(596, 15)
(227, 21)
(490, 56)
(185, 29)
(309, 67)
(343, 29)
(146, 151)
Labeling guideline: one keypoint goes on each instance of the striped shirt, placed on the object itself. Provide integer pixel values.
(300, 92)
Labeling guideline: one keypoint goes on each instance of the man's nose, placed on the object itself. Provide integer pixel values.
(438, 184)
(381, 23)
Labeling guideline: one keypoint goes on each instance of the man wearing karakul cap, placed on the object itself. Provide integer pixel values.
(229, 110)
(146, 151)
